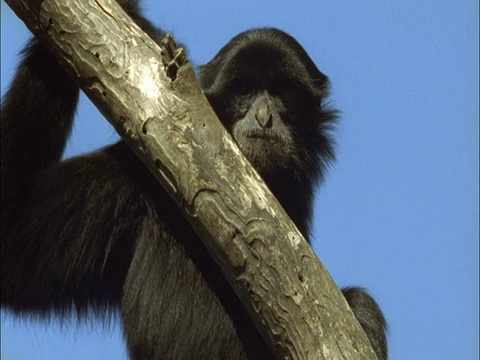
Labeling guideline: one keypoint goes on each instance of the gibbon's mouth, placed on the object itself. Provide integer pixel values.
(263, 135)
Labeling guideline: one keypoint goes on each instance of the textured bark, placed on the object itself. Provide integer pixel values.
(152, 98)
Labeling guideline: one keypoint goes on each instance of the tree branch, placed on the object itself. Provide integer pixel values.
(153, 100)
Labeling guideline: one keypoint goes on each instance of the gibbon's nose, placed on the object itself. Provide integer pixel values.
(263, 108)
(264, 117)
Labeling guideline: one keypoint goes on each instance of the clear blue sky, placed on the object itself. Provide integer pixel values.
(398, 214)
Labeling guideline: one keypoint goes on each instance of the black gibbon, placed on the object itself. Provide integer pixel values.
(97, 231)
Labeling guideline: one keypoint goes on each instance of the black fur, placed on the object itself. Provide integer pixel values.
(97, 231)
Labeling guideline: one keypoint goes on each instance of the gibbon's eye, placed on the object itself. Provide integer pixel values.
(242, 87)
(279, 88)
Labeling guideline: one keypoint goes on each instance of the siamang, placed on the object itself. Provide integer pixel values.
(96, 231)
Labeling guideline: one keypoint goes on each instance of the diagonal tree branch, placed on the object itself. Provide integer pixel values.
(152, 98)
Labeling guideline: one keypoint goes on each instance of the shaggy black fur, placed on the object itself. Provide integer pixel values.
(97, 231)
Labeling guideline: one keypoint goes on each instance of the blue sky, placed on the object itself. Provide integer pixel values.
(398, 213)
